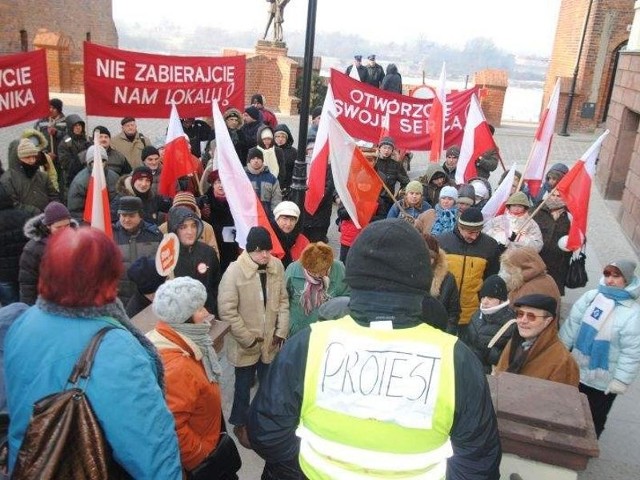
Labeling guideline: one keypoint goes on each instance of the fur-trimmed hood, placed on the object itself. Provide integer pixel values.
(32, 132)
(527, 260)
(35, 230)
(439, 268)
(124, 186)
(232, 111)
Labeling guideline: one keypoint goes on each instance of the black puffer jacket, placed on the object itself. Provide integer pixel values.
(290, 155)
(481, 330)
(556, 260)
(392, 81)
(38, 235)
(12, 239)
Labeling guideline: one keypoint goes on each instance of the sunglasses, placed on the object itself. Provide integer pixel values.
(530, 316)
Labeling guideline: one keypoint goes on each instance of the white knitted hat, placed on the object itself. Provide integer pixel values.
(177, 300)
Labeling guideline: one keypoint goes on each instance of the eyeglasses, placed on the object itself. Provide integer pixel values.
(530, 316)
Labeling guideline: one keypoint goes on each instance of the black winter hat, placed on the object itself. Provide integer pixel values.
(471, 219)
(148, 150)
(126, 120)
(387, 141)
(254, 152)
(129, 205)
(102, 130)
(494, 287)
(56, 103)
(257, 98)
(538, 300)
(253, 112)
(390, 256)
(143, 273)
(258, 239)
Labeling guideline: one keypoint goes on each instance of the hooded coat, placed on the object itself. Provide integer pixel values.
(290, 155)
(392, 81)
(276, 153)
(240, 302)
(482, 328)
(552, 229)
(12, 237)
(70, 148)
(431, 192)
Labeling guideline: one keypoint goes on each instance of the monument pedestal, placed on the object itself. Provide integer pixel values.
(544, 427)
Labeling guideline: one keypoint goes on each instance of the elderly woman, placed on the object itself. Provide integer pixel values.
(191, 366)
(125, 388)
(603, 329)
(412, 205)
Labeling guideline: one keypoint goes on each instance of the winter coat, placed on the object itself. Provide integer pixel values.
(12, 238)
(29, 194)
(194, 400)
(482, 328)
(38, 235)
(391, 172)
(321, 219)
(444, 288)
(362, 72)
(547, 358)
(240, 302)
(534, 275)
(413, 212)
(267, 188)
(220, 217)
(131, 149)
(430, 191)
(116, 161)
(143, 243)
(200, 131)
(154, 206)
(502, 227)
(470, 264)
(624, 348)
(290, 155)
(556, 260)
(294, 278)
(70, 147)
(375, 74)
(123, 390)
(392, 81)
(79, 187)
(292, 243)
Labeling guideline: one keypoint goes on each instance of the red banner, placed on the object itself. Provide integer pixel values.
(362, 107)
(24, 87)
(121, 83)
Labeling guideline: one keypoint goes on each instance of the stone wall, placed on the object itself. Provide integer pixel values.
(493, 85)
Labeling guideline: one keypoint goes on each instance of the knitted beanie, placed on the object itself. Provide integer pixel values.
(255, 152)
(141, 172)
(414, 186)
(101, 151)
(27, 149)
(177, 300)
(56, 103)
(518, 198)
(390, 256)
(316, 112)
(253, 112)
(258, 238)
(449, 191)
(466, 194)
(102, 130)
(148, 151)
(54, 212)
(626, 267)
(387, 141)
(144, 274)
(453, 151)
(471, 219)
(494, 287)
(186, 199)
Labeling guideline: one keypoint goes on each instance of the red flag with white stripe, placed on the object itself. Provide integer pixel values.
(320, 157)
(357, 183)
(476, 140)
(496, 204)
(247, 210)
(384, 127)
(177, 160)
(436, 118)
(575, 188)
(539, 155)
(96, 206)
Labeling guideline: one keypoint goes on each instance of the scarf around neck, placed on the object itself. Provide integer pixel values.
(198, 333)
(314, 293)
(110, 311)
(445, 220)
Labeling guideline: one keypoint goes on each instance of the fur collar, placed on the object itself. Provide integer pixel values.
(440, 269)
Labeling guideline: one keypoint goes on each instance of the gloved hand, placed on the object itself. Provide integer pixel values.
(513, 236)
(616, 386)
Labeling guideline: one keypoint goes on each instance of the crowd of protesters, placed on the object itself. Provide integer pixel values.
(429, 268)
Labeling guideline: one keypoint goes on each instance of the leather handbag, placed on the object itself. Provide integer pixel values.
(222, 463)
(63, 438)
(577, 273)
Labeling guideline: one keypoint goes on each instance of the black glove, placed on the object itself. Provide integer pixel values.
(513, 236)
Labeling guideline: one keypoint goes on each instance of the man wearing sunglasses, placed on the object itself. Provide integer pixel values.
(535, 349)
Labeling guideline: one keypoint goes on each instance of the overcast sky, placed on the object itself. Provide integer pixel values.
(518, 26)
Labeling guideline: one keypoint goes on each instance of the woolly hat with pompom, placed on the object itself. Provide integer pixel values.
(177, 300)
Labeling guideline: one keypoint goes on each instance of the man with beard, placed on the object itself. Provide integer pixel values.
(293, 242)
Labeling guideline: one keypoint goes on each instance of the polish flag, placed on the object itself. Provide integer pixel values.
(177, 160)
(357, 183)
(476, 140)
(384, 127)
(320, 157)
(537, 162)
(496, 204)
(575, 188)
(96, 206)
(246, 208)
(353, 73)
(436, 118)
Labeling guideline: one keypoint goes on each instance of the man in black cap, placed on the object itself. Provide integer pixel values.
(135, 238)
(253, 298)
(472, 256)
(377, 393)
(130, 141)
(362, 70)
(252, 122)
(390, 171)
(375, 72)
(54, 128)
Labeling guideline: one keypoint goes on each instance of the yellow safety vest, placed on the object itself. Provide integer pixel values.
(377, 403)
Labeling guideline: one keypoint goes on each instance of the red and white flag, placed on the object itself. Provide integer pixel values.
(537, 163)
(316, 180)
(476, 140)
(356, 182)
(437, 117)
(246, 208)
(384, 127)
(177, 160)
(96, 206)
(496, 204)
(354, 73)
(575, 188)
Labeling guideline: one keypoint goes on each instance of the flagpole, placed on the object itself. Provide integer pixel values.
(526, 166)
(521, 229)
(390, 193)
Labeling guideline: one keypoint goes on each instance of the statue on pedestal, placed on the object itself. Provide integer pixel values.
(276, 15)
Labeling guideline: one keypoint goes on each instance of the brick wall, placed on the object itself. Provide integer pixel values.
(606, 33)
(494, 87)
